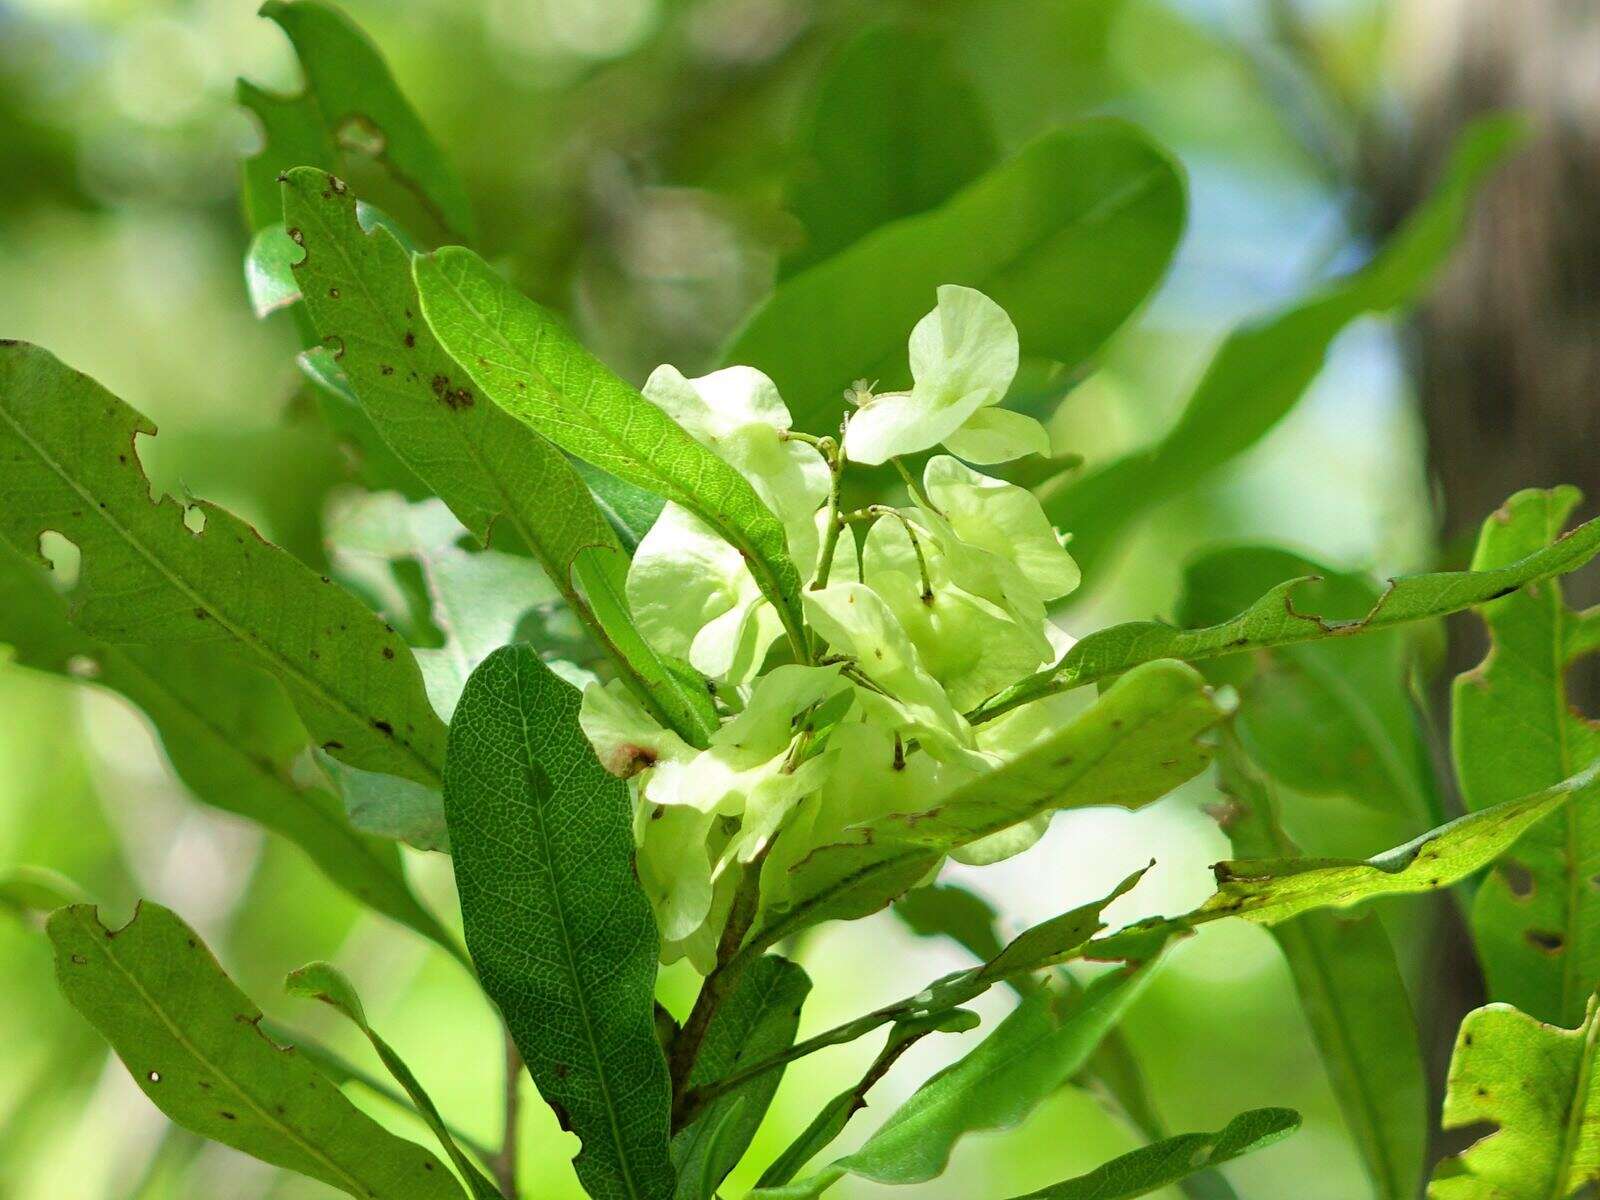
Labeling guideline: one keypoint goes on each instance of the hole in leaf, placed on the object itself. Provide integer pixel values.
(82, 666)
(1581, 684)
(1517, 877)
(64, 557)
(1545, 941)
(154, 1077)
(194, 518)
(358, 135)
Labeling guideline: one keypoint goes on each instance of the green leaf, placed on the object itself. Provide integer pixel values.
(1142, 1171)
(1270, 890)
(556, 921)
(229, 731)
(1538, 1085)
(1325, 718)
(947, 910)
(1354, 1000)
(30, 891)
(1279, 619)
(1069, 237)
(1536, 920)
(757, 1020)
(190, 1040)
(68, 465)
(490, 468)
(350, 102)
(526, 362)
(322, 981)
(269, 270)
(835, 1115)
(1135, 744)
(894, 130)
(1050, 943)
(1265, 366)
(1027, 1058)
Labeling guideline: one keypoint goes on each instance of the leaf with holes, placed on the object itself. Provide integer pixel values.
(190, 1040)
(228, 730)
(495, 473)
(1150, 1168)
(519, 354)
(1539, 1086)
(556, 921)
(69, 465)
(350, 102)
(1536, 920)
(1279, 619)
(1269, 890)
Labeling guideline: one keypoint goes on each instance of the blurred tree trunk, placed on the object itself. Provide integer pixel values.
(1507, 352)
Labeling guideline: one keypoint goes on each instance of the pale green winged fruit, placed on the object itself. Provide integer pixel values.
(963, 358)
(943, 607)
(738, 414)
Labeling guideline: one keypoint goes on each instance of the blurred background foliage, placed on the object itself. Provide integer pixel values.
(638, 164)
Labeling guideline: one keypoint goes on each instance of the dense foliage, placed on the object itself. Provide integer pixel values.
(724, 658)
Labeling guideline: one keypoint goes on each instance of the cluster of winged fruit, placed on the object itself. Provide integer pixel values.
(936, 606)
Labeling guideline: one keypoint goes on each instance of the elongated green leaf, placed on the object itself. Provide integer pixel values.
(1050, 943)
(1322, 718)
(1278, 619)
(1354, 1000)
(1027, 1058)
(485, 464)
(229, 731)
(322, 981)
(894, 130)
(68, 464)
(835, 1115)
(350, 102)
(1135, 744)
(1113, 1072)
(757, 1020)
(1140, 1172)
(1536, 920)
(527, 363)
(33, 891)
(1539, 1086)
(1266, 365)
(190, 1040)
(1069, 237)
(1270, 890)
(557, 924)
(948, 910)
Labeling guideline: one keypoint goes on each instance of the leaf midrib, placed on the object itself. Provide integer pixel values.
(310, 682)
(558, 903)
(754, 558)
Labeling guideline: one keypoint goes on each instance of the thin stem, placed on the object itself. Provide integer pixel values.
(912, 485)
(873, 511)
(504, 1164)
(830, 541)
(730, 964)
